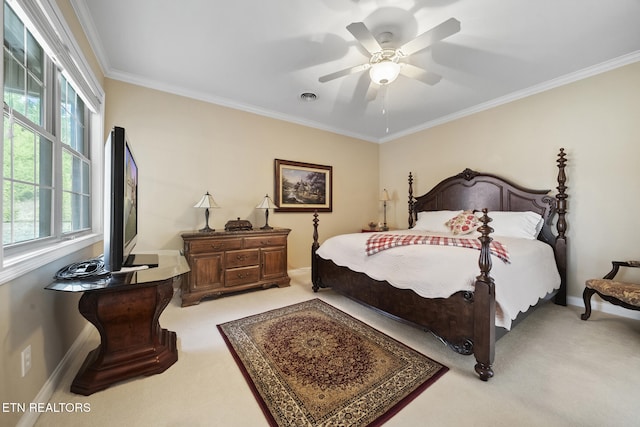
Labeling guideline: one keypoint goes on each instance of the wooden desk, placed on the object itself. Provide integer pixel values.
(125, 309)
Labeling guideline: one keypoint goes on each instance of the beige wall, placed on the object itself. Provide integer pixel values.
(48, 321)
(595, 120)
(185, 147)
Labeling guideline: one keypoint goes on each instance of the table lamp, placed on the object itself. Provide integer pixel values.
(206, 202)
(266, 204)
(385, 198)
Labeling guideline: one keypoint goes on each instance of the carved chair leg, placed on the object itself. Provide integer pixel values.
(586, 296)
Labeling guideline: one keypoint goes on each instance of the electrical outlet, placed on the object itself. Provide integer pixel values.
(26, 360)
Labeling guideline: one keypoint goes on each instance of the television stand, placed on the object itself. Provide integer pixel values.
(125, 309)
(137, 260)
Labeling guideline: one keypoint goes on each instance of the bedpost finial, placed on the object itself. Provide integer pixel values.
(561, 197)
(484, 261)
(562, 158)
(315, 229)
(411, 214)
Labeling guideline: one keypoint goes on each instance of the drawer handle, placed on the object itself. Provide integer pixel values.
(242, 275)
(219, 246)
(241, 257)
(265, 243)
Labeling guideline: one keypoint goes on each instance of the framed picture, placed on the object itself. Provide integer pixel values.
(303, 187)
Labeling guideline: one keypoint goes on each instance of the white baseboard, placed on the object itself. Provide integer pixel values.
(300, 270)
(29, 418)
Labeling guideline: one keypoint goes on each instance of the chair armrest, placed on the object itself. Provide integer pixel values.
(617, 265)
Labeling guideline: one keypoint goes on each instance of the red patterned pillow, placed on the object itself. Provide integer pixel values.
(463, 223)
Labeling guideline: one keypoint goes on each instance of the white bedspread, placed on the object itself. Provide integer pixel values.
(441, 271)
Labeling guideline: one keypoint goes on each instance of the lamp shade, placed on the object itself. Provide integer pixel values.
(206, 202)
(384, 72)
(385, 196)
(266, 203)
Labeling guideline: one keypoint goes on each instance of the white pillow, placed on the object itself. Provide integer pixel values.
(435, 221)
(526, 225)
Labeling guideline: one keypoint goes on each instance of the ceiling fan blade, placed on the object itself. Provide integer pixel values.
(345, 72)
(426, 39)
(372, 93)
(419, 74)
(365, 90)
(364, 36)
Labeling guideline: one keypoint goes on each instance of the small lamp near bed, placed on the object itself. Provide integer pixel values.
(266, 204)
(384, 199)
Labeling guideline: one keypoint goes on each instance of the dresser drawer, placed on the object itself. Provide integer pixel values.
(264, 241)
(241, 276)
(243, 258)
(217, 245)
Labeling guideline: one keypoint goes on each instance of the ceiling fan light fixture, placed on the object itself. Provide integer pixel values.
(384, 72)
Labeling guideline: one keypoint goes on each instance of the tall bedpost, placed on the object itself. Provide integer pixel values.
(484, 306)
(411, 217)
(561, 226)
(314, 258)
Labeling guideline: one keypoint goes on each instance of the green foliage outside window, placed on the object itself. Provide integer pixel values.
(30, 144)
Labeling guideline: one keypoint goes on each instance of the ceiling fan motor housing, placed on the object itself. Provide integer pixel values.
(384, 66)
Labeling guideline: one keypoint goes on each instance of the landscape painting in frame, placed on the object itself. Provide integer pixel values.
(303, 187)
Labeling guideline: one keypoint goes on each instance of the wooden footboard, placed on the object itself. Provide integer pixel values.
(451, 319)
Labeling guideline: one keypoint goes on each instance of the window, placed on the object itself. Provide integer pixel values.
(76, 164)
(49, 193)
(28, 147)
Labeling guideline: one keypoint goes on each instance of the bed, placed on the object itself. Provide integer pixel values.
(468, 314)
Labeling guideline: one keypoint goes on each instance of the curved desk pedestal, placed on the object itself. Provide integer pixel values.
(126, 314)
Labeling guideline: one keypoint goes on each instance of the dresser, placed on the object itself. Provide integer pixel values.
(222, 262)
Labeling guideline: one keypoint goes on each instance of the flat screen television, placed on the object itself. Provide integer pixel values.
(120, 201)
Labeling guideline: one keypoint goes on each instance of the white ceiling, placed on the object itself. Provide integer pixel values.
(259, 56)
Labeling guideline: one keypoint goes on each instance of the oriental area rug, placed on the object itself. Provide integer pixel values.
(310, 364)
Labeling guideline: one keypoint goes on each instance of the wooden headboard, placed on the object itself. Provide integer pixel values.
(471, 190)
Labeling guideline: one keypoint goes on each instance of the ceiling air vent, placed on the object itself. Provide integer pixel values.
(308, 97)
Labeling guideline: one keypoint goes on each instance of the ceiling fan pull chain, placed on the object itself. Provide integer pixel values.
(385, 113)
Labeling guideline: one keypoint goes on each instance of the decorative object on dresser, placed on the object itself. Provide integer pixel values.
(311, 364)
(205, 203)
(384, 199)
(230, 261)
(303, 187)
(266, 204)
(238, 225)
(623, 294)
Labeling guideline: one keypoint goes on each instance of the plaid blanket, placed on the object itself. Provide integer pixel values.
(380, 241)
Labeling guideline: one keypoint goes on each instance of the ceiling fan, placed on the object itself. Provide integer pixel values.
(384, 65)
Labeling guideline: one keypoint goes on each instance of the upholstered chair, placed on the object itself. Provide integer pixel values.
(624, 294)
